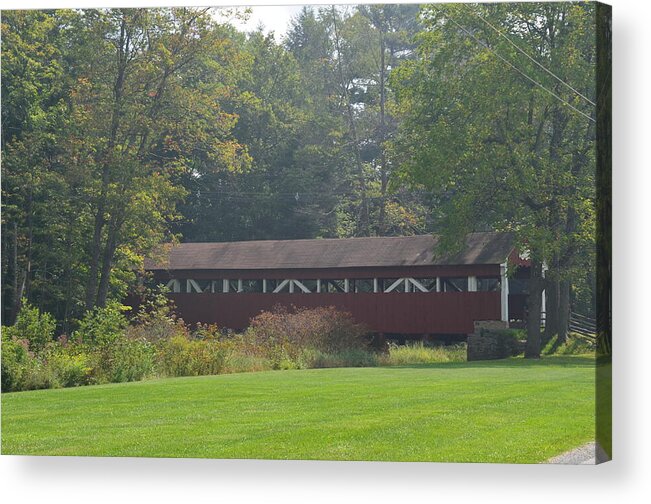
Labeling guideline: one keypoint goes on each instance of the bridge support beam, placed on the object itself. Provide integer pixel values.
(504, 291)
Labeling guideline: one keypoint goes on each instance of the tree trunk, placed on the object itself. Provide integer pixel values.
(67, 279)
(100, 215)
(91, 284)
(563, 311)
(15, 299)
(18, 301)
(30, 239)
(534, 301)
(364, 219)
(384, 175)
(551, 316)
(107, 260)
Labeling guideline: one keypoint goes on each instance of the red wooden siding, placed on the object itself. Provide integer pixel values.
(394, 312)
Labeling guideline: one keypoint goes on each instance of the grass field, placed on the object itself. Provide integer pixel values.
(500, 411)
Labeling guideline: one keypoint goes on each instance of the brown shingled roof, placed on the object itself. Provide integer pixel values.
(481, 248)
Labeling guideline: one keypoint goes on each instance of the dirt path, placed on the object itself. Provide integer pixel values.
(588, 454)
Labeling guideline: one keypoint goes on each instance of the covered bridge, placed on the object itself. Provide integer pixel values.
(394, 285)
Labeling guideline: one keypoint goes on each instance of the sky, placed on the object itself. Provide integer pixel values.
(273, 18)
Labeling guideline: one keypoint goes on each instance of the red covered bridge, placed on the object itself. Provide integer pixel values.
(395, 285)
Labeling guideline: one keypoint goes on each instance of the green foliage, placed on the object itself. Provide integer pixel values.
(32, 326)
(131, 360)
(13, 362)
(105, 349)
(102, 111)
(154, 320)
(71, 366)
(124, 361)
(182, 356)
(497, 150)
(22, 369)
(102, 326)
(37, 375)
(123, 128)
(418, 353)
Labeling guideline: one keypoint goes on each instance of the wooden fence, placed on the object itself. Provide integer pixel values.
(584, 326)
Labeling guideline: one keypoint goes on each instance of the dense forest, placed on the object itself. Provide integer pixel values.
(125, 129)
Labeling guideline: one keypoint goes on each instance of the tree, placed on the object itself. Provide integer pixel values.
(389, 32)
(346, 56)
(104, 110)
(498, 123)
(35, 86)
(156, 122)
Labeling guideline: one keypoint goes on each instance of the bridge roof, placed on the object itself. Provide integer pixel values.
(480, 248)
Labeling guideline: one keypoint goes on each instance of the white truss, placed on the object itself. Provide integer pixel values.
(292, 285)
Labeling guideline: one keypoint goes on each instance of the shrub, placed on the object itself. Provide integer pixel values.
(509, 342)
(417, 353)
(243, 355)
(123, 361)
(174, 357)
(132, 360)
(102, 326)
(115, 354)
(33, 326)
(155, 320)
(282, 335)
(14, 362)
(70, 367)
(208, 357)
(182, 356)
(38, 375)
(206, 332)
(22, 369)
(238, 362)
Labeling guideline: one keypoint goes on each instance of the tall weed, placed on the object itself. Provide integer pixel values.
(417, 353)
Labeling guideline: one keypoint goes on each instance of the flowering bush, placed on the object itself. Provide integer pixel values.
(33, 326)
(106, 348)
(22, 369)
(324, 329)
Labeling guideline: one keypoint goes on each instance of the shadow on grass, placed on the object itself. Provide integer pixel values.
(575, 361)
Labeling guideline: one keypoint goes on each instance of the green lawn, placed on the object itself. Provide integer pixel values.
(500, 411)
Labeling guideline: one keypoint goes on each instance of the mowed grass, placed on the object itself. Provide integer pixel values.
(513, 410)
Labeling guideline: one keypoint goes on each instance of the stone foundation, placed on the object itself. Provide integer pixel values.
(492, 340)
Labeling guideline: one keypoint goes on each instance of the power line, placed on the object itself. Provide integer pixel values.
(300, 194)
(533, 59)
(511, 65)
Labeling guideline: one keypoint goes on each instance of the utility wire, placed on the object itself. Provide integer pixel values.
(511, 65)
(533, 59)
